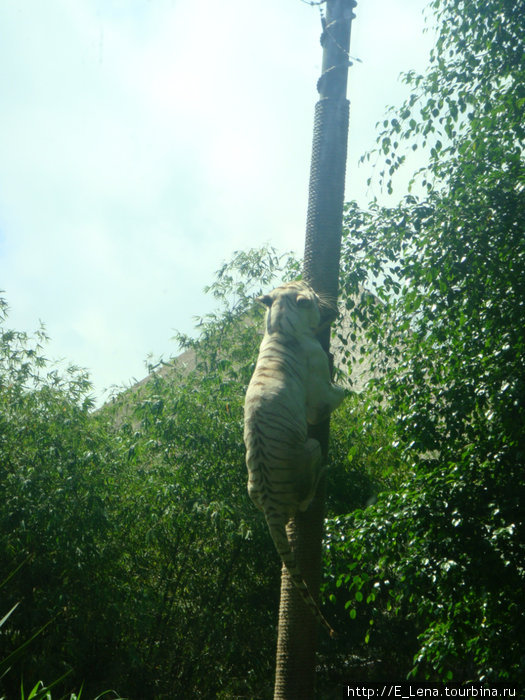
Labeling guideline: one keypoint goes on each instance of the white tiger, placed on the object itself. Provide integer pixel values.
(289, 389)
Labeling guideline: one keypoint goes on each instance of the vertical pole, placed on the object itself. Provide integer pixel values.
(297, 634)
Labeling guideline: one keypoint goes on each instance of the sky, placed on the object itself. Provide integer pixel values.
(142, 142)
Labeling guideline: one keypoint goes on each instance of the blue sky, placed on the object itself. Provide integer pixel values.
(143, 141)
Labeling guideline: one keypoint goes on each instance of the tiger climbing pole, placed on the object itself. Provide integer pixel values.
(297, 634)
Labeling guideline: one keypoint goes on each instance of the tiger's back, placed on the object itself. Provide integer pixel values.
(274, 430)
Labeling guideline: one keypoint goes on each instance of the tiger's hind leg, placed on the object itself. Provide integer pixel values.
(309, 471)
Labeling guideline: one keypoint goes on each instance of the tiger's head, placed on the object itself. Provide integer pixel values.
(292, 308)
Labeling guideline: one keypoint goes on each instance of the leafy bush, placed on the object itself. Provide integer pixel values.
(144, 554)
(444, 553)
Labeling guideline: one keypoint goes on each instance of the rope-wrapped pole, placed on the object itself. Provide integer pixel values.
(297, 636)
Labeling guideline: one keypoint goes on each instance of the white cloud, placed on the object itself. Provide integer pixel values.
(143, 141)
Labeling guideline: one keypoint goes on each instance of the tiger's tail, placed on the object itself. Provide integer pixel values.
(282, 545)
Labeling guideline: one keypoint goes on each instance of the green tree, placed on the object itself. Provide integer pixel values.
(143, 552)
(144, 558)
(445, 553)
(57, 485)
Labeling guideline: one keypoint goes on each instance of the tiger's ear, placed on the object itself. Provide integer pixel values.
(303, 301)
(266, 299)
